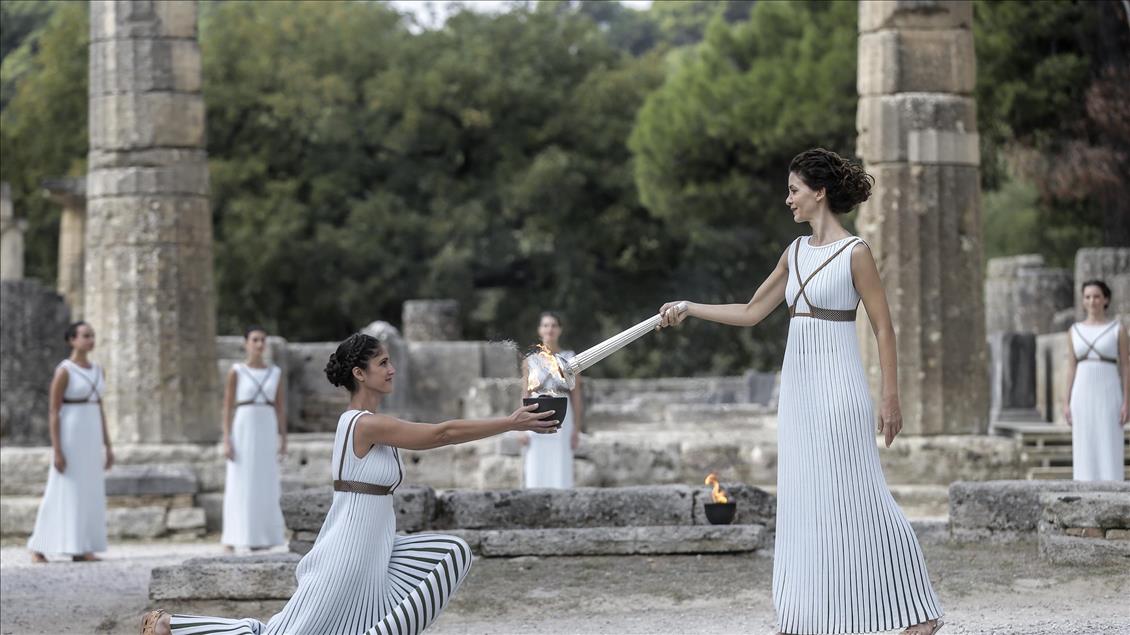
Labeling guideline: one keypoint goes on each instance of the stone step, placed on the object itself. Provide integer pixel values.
(1061, 473)
(17, 519)
(256, 577)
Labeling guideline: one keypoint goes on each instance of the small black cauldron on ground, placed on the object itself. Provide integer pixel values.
(559, 405)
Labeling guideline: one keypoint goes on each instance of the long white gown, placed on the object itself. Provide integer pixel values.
(846, 559)
(549, 457)
(360, 577)
(1097, 436)
(72, 516)
(252, 511)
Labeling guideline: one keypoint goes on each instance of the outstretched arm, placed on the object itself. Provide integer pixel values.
(764, 300)
(380, 429)
(865, 276)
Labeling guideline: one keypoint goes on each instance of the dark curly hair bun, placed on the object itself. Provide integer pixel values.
(354, 352)
(845, 182)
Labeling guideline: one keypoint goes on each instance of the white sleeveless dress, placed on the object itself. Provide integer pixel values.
(549, 457)
(846, 559)
(1097, 436)
(252, 512)
(360, 577)
(72, 516)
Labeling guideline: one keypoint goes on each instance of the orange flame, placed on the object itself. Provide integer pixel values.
(718, 494)
(551, 364)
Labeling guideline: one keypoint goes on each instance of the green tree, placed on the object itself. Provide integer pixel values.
(43, 128)
(712, 148)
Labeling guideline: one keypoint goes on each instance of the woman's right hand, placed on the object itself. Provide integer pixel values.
(525, 418)
(60, 462)
(229, 451)
(1067, 414)
(673, 313)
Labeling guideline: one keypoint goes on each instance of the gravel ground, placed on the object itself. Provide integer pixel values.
(998, 589)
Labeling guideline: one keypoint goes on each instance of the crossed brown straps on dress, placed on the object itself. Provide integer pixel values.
(93, 387)
(833, 315)
(1091, 346)
(361, 487)
(258, 391)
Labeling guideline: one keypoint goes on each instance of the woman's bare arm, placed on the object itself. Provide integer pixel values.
(229, 412)
(865, 276)
(280, 411)
(767, 297)
(1071, 364)
(55, 404)
(381, 429)
(1123, 361)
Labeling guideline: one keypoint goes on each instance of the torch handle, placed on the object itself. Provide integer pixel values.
(586, 358)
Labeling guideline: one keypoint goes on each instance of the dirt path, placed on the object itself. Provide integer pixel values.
(985, 588)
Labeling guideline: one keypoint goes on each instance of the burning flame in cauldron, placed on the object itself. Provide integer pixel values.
(718, 494)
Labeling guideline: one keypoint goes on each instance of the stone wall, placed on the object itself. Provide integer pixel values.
(1086, 528)
(1023, 295)
(1007, 510)
(33, 320)
(11, 238)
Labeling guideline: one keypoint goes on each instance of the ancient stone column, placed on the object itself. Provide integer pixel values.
(11, 238)
(917, 125)
(1024, 296)
(70, 194)
(148, 279)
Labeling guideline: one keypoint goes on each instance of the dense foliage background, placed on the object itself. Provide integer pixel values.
(578, 156)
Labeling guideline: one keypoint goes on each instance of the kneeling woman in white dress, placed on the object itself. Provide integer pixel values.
(72, 516)
(254, 434)
(1098, 385)
(549, 458)
(360, 577)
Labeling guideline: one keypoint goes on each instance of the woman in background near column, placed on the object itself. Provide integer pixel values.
(1098, 387)
(549, 458)
(254, 435)
(72, 516)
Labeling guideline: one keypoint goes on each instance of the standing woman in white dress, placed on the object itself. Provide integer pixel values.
(254, 436)
(846, 559)
(72, 516)
(1098, 385)
(360, 577)
(549, 458)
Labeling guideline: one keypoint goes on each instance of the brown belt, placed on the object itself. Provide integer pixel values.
(357, 487)
(1098, 359)
(832, 315)
(78, 401)
(254, 403)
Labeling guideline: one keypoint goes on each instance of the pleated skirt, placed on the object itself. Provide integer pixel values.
(1097, 436)
(846, 559)
(252, 510)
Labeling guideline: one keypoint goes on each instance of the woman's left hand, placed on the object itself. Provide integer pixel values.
(282, 447)
(1125, 414)
(575, 440)
(109, 458)
(890, 419)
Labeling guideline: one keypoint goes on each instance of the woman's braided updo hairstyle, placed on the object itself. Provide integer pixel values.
(845, 182)
(354, 352)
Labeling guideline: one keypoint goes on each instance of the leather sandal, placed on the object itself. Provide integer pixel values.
(149, 621)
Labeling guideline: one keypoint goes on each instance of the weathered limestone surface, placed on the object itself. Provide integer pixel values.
(1051, 375)
(1013, 372)
(316, 403)
(1025, 296)
(1010, 509)
(148, 276)
(431, 320)
(11, 238)
(602, 541)
(443, 371)
(581, 507)
(1112, 266)
(32, 322)
(149, 480)
(1085, 527)
(70, 194)
(917, 128)
(265, 577)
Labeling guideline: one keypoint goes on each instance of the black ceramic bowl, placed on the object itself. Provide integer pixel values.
(559, 405)
(720, 513)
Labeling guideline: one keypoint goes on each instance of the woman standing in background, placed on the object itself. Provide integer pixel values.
(1098, 386)
(72, 516)
(549, 458)
(254, 434)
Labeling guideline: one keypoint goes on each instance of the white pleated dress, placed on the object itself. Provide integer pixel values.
(252, 512)
(360, 577)
(1097, 436)
(846, 559)
(72, 516)
(549, 457)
